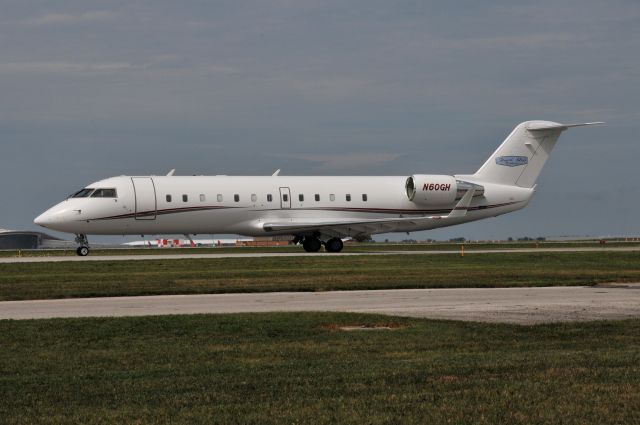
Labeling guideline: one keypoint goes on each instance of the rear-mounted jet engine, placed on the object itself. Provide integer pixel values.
(438, 190)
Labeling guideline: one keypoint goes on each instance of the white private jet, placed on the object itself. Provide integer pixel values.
(315, 211)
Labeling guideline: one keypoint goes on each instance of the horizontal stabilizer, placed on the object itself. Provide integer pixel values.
(545, 125)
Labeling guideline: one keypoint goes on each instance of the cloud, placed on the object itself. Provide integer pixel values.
(62, 67)
(68, 18)
(166, 65)
(519, 41)
(347, 161)
(222, 69)
(328, 88)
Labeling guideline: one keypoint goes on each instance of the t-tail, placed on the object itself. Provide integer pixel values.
(520, 158)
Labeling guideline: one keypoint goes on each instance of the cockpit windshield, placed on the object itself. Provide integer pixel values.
(84, 193)
(95, 193)
(104, 193)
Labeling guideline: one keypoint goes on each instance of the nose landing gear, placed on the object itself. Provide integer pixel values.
(83, 249)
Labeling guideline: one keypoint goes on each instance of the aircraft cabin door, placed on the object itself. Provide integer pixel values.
(145, 193)
(285, 197)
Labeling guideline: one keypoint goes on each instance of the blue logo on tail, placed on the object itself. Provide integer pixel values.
(512, 161)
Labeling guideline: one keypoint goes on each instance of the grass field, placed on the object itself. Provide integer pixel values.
(302, 368)
(191, 276)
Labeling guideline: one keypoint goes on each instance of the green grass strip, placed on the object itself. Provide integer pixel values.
(21, 281)
(303, 369)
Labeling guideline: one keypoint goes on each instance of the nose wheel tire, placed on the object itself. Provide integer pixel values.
(333, 245)
(311, 244)
(83, 249)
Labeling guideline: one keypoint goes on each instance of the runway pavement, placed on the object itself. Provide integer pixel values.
(239, 254)
(510, 305)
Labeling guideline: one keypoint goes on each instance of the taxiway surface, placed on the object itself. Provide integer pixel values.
(509, 305)
(175, 256)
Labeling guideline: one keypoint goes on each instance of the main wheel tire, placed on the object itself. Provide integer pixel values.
(334, 245)
(311, 244)
(82, 251)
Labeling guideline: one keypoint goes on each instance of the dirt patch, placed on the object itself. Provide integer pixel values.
(448, 378)
(629, 285)
(364, 327)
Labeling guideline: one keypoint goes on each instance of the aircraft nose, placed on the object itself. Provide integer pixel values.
(52, 217)
(43, 219)
(59, 217)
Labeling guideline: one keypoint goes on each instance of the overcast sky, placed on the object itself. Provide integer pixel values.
(92, 89)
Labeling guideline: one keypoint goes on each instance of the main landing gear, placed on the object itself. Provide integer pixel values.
(83, 249)
(313, 244)
(333, 245)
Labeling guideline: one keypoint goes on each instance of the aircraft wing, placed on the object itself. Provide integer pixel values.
(358, 226)
(345, 227)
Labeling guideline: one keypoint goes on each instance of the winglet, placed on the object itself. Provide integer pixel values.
(460, 210)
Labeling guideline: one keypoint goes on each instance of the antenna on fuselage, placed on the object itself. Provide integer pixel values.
(171, 173)
(276, 174)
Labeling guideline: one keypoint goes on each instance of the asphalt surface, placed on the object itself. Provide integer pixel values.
(174, 256)
(508, 305)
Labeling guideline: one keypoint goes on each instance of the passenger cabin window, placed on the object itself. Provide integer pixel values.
(269, 198)
(317, 198)
(332, 197)
(202, 198)
(168, 198)
(185, 198)
(236, 197)
(254, 198)
(348, 198)
(84, 193)
(219, 197)
(301, 197)
(104, 193)
(364, 197)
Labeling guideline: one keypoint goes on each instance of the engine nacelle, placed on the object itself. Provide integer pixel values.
(431, 190)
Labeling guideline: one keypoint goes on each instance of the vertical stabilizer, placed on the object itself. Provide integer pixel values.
(520, 158)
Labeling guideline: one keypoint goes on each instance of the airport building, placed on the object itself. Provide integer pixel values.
(212, 242)
(13, 239)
